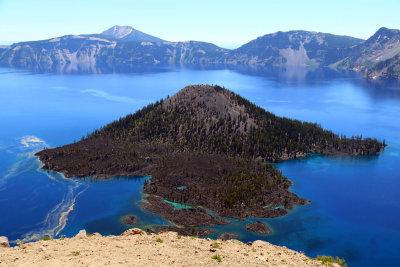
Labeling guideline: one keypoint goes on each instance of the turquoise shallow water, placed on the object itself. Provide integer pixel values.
(354, 209)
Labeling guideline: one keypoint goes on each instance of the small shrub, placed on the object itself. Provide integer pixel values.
(159, 240)
(215, 245)
(326, 260)
(282, 260)
(217, 257)
(75, 253)
(254, 250)
(46, 238)
(179, 237)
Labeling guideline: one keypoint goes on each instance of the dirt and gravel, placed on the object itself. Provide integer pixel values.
(136, 248)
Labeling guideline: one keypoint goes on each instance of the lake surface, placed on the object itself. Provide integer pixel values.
(355, 208)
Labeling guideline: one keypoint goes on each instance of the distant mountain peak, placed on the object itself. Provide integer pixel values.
(118, 31)
(384, 35)
(128, 33)
(383, 31)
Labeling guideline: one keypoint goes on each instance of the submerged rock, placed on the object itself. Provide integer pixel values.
(129, 219)
(227, 236)
(186, 217)
(4, 242)
(259, 227)
(187, 231)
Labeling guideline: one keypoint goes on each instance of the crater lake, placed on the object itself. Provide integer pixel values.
(354, 209)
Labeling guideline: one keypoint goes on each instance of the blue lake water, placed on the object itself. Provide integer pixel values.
(355, 208)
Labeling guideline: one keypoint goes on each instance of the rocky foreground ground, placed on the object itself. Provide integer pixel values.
(136, 248)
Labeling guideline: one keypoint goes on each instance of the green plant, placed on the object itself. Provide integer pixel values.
(159, 240)
(45, 238)
(178, 236)
(282, 260)
(326, 260)
(75, 253)
(215, 245)
(217, 257)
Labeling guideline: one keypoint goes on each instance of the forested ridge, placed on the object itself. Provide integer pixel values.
(192, 124)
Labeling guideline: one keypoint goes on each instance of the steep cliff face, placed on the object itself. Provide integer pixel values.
(376, 57)
(160, 53)
(57, 53)
(389, 69)
(294, 48)
(94, 53)
(122, 48)
(3, 50)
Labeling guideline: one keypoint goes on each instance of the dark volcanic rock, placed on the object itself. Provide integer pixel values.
(218, 194)
(187, 231)
(227, 236)
(258, 227)
(185, 217)
(129, 219)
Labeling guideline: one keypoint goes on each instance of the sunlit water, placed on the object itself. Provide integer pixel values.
(355, 206)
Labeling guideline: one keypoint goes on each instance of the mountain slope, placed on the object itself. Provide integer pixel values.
(3, 49)
(129, 34)
(376, 57)
(98, 53)
(204, 146)
(125, 54)
(73, 51)
(389, 68)
(122, 49)
(294, 48)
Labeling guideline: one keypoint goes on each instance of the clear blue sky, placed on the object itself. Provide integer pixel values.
(224, 22)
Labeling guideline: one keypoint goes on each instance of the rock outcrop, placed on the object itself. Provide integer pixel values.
(81, 234)
(4, 242)
(259, 227)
